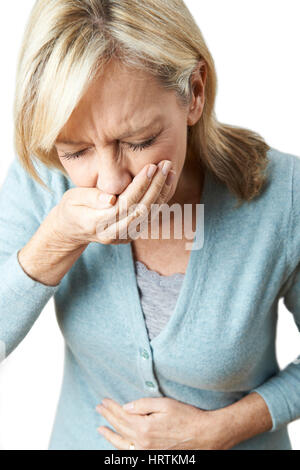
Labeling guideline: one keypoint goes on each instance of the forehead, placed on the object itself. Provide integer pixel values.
(124, 91)
(119, 99)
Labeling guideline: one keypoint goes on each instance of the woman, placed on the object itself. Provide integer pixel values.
(108, 93)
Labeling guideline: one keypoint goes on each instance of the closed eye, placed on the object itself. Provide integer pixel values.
(134, 147)
(70, 156)
(142, 145)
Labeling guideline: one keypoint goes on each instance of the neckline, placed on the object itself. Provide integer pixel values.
(128, 281)
(155, 275)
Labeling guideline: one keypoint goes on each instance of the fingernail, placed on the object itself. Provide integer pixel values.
(166, 168)
(170, 177)
(106, 199)
(151, 171)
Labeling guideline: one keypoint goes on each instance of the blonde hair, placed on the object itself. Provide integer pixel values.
(67, 42)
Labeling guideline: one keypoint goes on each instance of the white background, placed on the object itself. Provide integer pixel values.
(255, 45)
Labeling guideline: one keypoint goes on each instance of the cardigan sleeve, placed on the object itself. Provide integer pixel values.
(282, 391)
(23, 206)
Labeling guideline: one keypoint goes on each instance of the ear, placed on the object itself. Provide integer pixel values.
(198, 82)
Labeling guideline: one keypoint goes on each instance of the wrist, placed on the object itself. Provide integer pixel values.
(225, 430)
(211, 430)
(224, 433)
(45, 258)
(55, 240)
(241, 421)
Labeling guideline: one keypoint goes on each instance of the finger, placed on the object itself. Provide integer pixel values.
(121, 228)
(125, 203)
(129, 227)
(114, 407)
(106, 200)
(149, 188)
(163, 196)
(159, 189)
(137, 188)
(155, 206)
(115, 439)
(86, 219)
(89, 197)
(147, 405)
(135, 209)
(122, 427)
(167, 188)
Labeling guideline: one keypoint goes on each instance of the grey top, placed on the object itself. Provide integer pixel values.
(158, 296)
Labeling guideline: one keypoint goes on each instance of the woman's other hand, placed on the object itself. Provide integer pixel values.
(161, 423)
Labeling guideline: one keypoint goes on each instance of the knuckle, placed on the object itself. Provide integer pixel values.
(144, 186)
(164, 193)
(157, 185)
(140, 210)
(134, 211)
(104, 240)
(101, 232)
(160, 200)
(122, 205)
(156, 208)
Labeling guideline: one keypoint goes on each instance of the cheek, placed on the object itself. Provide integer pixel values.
(174, 150)
(80, 173)
(167, 150)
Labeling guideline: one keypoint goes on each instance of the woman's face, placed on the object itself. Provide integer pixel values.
(124, 122)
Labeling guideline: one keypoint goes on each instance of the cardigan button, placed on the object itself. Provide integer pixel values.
(144, 354)
(150, 384)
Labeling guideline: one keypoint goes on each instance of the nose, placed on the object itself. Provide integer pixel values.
(112, 177)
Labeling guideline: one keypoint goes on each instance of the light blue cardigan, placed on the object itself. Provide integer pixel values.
(220, 341)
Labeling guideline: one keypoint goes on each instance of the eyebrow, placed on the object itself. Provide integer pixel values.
(122, 136)
(70, 142)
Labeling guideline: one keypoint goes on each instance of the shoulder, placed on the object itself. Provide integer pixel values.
(280, 171)
(273, 216)
(284, 188)
(277, 193)
(52, 177)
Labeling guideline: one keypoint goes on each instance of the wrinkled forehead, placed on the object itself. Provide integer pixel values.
(120, 101)
(123, 87)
